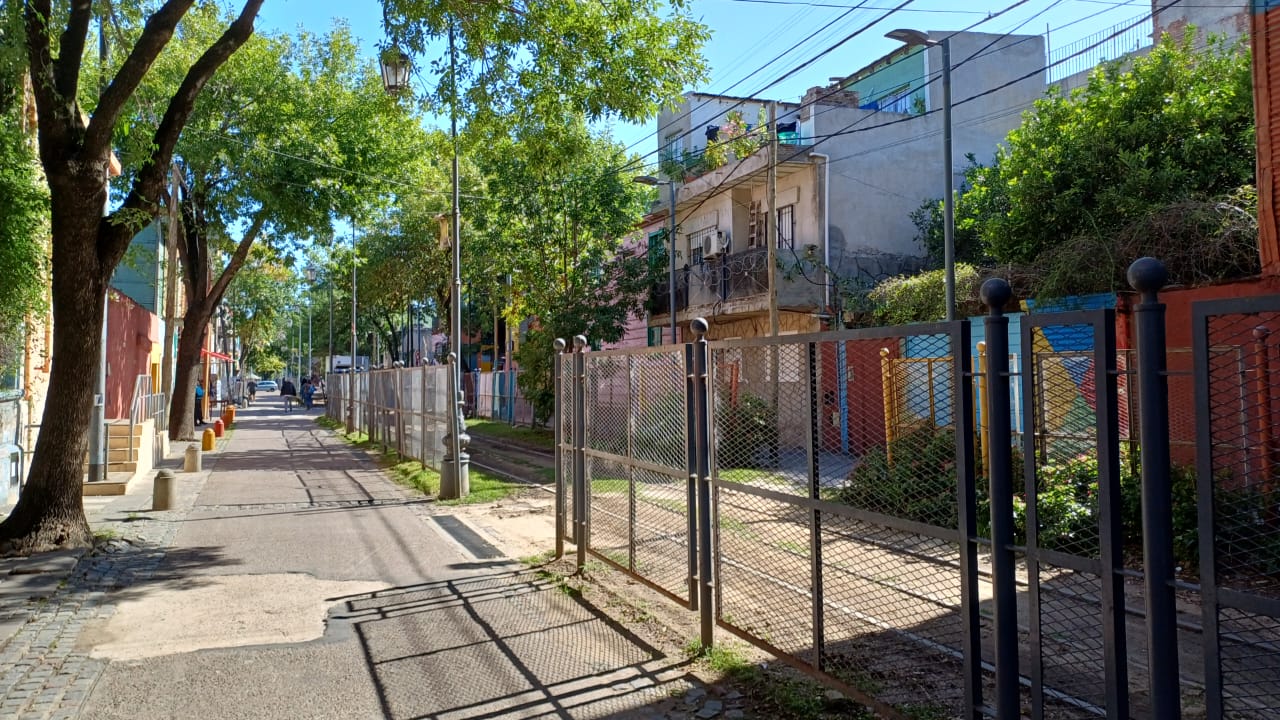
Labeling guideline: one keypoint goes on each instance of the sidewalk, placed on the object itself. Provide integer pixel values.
(294, 580)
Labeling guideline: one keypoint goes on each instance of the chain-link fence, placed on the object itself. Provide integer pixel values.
(636, 464)
(835, 506)
(405, 409)
(498, 397)
(1234, 485)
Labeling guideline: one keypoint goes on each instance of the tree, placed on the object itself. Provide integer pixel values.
(1092, 178)
(542, 62)
(566, 203)
(291, 133)
(75, 152)
(257, 298)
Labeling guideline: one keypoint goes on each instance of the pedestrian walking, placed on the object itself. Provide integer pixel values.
(290, 394)
(308, 392)
(199, 403)
(252, 387)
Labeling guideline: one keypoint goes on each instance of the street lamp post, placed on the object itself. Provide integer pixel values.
(311, 280)
(455, 473)
(916, 37)
(671, 242)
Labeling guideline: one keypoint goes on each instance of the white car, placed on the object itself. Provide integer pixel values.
(267, 386)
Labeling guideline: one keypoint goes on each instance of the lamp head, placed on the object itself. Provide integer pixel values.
(911, 37)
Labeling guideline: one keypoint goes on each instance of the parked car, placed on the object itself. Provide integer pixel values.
(265, 386)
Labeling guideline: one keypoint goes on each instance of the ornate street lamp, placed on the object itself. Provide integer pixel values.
(395, 70)
(455, 473)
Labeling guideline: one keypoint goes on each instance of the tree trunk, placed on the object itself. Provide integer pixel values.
(50, 514)
(182, 407)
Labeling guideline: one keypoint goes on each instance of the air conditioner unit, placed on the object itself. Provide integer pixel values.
(714, 245)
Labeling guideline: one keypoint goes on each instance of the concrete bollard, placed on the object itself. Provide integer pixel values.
(207, 440)
(218, 428)
(162, 492)
(191, 459)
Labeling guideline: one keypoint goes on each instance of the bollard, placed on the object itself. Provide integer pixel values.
(191, 459)
(162, 491)
(218, 427)
(207, 440)
(229, 415)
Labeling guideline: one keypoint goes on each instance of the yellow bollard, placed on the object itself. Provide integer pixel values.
(207, 440)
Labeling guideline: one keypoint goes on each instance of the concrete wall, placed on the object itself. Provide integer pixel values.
(131, 334)
(884, 165)
(1221, 17)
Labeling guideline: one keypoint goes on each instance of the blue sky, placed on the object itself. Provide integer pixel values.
(747, 33)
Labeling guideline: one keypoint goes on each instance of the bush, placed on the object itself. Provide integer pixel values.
(746, 427)
(918, 484)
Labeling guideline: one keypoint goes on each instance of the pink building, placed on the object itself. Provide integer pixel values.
(650, 233)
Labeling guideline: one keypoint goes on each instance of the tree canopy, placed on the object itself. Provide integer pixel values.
(1153, 156)
(547, 61)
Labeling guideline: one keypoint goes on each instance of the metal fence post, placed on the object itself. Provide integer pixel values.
(557, 366)
(967, 513)
(702, 445)
(691, 465)
(815, 515)
(581, 497)
(995, 293)
(1147, 276)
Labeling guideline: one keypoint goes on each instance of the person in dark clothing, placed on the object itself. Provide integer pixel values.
(290, 394)
(199, 403)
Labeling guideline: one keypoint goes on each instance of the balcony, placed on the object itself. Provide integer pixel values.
(737, 275)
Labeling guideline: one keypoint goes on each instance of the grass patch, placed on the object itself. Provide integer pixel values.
(794, 547)
(773, 694)
(412, 473)
(602, 485)
(666, 503)
(537, 437)
(736, 526)
(748, 476)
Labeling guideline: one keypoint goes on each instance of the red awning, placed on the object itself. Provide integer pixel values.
(216, 355)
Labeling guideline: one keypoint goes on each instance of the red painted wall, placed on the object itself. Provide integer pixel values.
(131, 332)
(1238, 395)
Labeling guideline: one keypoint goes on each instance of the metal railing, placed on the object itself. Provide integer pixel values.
(146, 405)
(1100, 47)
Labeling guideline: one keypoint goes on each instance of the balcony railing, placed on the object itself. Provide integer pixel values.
(738, 275)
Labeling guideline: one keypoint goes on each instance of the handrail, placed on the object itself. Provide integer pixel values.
(141, 391)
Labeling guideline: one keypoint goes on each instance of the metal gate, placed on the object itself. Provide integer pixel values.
(1237, 403)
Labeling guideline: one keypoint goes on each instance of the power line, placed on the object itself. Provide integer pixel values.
(713, 191)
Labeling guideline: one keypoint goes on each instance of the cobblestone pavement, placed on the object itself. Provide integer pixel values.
(46, 601)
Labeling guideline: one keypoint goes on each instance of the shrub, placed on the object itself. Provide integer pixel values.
(747, 427)
(919, 483)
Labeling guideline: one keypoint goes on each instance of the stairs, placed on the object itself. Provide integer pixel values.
(123, 449)
(128, 456)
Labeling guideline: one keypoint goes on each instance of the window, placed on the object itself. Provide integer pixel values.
(897, 101)
(787, 227)
(698, 240)
(658, 250)
(675, 144)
